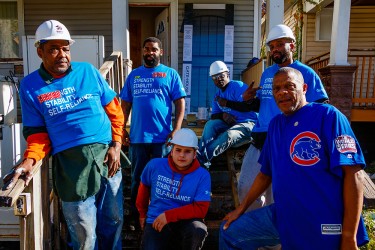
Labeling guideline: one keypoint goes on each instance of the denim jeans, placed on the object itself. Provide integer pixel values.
(96, 222)
(184, 235)
(218, 136)
(140, 154)
(249, 170)
(250, 231)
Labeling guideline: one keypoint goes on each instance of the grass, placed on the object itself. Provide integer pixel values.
(370, 168)
(369, 217)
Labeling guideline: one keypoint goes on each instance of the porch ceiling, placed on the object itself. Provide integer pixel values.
(288, 3)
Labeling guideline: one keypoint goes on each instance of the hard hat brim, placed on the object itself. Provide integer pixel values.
(37, 43)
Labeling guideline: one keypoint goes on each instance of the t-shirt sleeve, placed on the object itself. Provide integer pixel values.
(265, 157)
(126, 92)
(146, 174)
(177, 88)
(107, 94)
(315, 88)
(31, 116)
(343, 147)
(204, 188)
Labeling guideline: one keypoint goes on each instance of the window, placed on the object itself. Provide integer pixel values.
(10, 38)
(323, 25)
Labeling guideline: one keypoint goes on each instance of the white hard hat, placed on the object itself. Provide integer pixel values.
(280, 31)
(52, 30)
(185, 137)
(218, 67)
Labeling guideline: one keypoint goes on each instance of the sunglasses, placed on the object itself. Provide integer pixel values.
(221, 75)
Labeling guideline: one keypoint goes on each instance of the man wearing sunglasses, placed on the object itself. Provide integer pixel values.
(227, 127)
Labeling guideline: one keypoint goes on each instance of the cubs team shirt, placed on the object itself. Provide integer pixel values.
(304, 153)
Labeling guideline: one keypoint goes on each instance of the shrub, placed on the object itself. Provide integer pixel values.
(369, 217)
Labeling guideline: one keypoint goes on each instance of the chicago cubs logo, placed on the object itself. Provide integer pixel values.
(302, 149)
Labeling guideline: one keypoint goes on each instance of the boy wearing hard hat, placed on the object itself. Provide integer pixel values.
(174, 196)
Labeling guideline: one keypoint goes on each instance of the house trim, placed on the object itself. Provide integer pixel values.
(173, 6)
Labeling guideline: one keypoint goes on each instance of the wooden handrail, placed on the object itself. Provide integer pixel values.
(317, 58)
(9, 196)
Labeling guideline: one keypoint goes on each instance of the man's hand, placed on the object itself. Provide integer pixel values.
(112, 158)
(221, 101)
(229, 119)
(250, 92)
(126, 138)
(232, 216)
(22, 170)
(159, 222)
(170, 137)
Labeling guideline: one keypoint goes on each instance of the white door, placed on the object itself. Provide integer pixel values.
(162, 32)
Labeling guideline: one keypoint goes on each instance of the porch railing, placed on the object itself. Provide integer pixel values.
(363, 91)
(36, 229)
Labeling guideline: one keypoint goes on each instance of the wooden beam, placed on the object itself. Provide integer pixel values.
(362, 115)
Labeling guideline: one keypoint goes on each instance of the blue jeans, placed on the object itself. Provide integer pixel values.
(184, 235)
(96, 222)
(140, 154)
(218, 136)
(250, 231)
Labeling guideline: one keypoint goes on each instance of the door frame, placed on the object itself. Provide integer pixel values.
(173, 7)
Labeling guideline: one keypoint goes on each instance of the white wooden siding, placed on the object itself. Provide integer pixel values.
(83, 17)
(361, 32)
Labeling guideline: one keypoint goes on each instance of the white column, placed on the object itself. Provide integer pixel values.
(120, 27)
(275, 13)
(257, 28)
(340, 33)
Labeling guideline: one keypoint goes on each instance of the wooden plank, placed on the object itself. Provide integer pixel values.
(362, 115)
(233, 176)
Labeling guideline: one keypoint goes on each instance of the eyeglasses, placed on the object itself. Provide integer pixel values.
(221, 75)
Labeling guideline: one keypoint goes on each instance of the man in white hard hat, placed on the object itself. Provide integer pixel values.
(69, 110)
(227, 127)
(174, 196)
(281, 43)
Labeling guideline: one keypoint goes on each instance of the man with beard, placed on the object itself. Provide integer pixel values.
(149, 92)
(227, 127)
(280, 41)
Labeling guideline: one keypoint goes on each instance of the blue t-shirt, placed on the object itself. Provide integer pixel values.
(268, 108)
(233, 92)
(71, 107)
(165, 183)
(151, 92)
(304, 153)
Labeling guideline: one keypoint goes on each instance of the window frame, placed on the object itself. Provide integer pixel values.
(324, 13)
